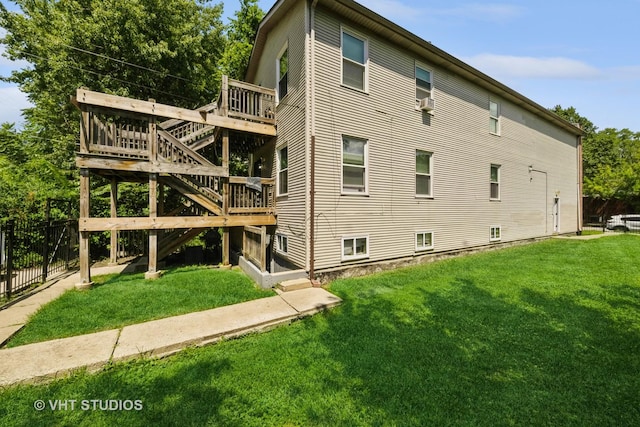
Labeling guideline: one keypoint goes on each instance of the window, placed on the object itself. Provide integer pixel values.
(494, 117)
(282, 243)
(495, 183)
(283, 71)
(495, 233)
(424, 240)
(423, 84)
(354, 165)
(355, 248)
(423, 174)
(354, 61)
(283, 171)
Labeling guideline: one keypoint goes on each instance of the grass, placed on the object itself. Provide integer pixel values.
(118, 300)
(544, 334)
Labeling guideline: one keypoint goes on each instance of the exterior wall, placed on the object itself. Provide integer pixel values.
(460, 213)
(291, 110)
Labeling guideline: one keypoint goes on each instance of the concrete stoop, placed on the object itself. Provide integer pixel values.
(294, 285)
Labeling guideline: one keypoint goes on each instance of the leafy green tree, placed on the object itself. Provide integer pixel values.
(167, 50)
(241, 35)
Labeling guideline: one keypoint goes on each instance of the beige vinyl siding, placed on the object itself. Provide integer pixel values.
(291, 209)
(460, 213)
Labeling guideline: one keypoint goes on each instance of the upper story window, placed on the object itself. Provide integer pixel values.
(424, 183)
(494, 117)
(354, 165)
(354, 61)
(283, 73)
(495, 182)
(283, 171)
(423, 83)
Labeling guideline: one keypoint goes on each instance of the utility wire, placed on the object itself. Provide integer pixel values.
(114, 78)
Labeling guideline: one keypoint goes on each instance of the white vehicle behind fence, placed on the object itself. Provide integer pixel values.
(627, 222)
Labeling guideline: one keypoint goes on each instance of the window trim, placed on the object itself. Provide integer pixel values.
(430, 175)
(279, 238)
(492, 234)
(424, 248)
(415, 72)
(496, 118)
(355, 256)
(498, 182)
(284, 49)
(346, 192)
(278, 170)
(365, 40)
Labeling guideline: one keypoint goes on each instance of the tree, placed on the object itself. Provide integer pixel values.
(167, 50)
(610, 159)
(241, 35)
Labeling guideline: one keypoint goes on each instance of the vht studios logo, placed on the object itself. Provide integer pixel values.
(88, 405)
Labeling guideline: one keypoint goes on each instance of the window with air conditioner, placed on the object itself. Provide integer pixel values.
(424, 89)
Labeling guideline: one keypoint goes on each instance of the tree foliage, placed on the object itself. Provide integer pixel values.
(610, 159)
(173, 51)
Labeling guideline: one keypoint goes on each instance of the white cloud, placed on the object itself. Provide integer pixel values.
(13, 101)
(507, 66)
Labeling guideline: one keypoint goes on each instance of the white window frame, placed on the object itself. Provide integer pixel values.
(424, 247)
(347, 191)
(495, 118)
(354, 256)
(430, 175)
(278, 170)
(415, 76)
(278, 77)
(493, 236)
(491, 183)
(365, 40)
(280, 239)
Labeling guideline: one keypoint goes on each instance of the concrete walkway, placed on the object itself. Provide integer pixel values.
(50, 359)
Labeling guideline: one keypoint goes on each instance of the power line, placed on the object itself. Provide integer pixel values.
(114, 78)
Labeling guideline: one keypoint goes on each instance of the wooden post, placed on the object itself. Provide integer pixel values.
(152, 272)
(113, 258)
(85, 135)
(263, 249)
(85, 270)
(226, 197)
(224, 91)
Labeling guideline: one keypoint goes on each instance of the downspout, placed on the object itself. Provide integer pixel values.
(312, 160)
(580, 186)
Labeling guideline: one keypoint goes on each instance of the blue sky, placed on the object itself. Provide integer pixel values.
(579, 53)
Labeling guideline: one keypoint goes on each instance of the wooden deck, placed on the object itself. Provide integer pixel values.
(187, 150)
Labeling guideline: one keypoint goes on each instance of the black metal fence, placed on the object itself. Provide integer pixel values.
(30, 253)
(621, 223)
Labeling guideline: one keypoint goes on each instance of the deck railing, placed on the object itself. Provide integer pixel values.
(251, 102)
(245, 198)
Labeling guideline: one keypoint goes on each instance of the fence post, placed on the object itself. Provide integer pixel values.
(47, 238)
(10, 239)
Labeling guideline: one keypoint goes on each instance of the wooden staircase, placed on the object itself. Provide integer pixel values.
(142, 141)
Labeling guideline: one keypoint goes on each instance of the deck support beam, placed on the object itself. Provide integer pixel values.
(113, 255)
(85, 270)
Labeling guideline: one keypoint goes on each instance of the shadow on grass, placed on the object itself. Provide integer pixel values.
(466, 357)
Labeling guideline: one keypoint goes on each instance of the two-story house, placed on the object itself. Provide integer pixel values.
(388, 148)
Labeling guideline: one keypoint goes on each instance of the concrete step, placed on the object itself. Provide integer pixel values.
(294, 285)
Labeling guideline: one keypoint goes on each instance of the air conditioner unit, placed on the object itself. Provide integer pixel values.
(427, 104)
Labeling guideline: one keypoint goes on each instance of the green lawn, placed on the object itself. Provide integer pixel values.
(118, 300)
(543, 334)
